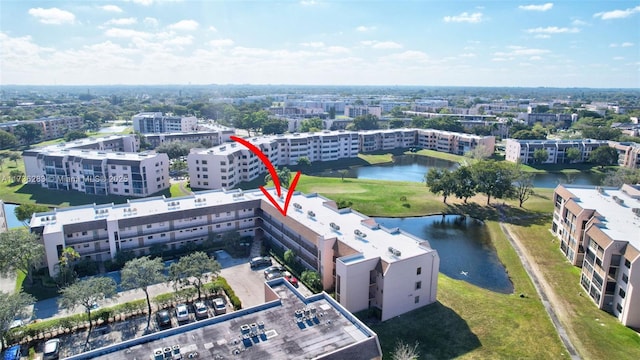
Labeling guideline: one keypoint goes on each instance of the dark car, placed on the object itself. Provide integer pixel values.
(260, 261)
(12, 353)
(164, 319)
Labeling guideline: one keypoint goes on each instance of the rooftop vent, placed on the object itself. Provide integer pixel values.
(618, 200)
(600, 189)
(393, 251)
(334, 226)
(311, 213)
(636, 211)
(297, 206)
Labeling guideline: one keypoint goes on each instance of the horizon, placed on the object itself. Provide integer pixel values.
(521, 44)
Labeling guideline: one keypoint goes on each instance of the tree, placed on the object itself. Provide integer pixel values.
(603, 156)
(365, 122)
(16, 176)
(404, 351)
(193, 269)
(284, 174)
(75, 135)
(480, 152)
(20, 251)
(465, 185)
(87, 293)
(1, 161)
(343, 173)
(621, 176)
(15, 156)
(493, 179)
(274, 126)
(141, 273)
(523, 184)
(312, 278)
(304, 161)
(179, 166)
(332, 112)
(289, 257)
(28, 133)
(311, 125)
(7, 140)
(66, 274)
(12, 306)
(396, 123)
(440, 181)
(540, 156)
(24, 212)
(573, 154)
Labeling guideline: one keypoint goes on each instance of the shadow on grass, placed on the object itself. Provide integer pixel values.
(439, 331)
(513, 215)
(63, 197)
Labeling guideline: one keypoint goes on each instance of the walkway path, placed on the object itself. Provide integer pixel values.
(543, 289)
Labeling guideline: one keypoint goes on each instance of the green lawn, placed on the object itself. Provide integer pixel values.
(471, 322)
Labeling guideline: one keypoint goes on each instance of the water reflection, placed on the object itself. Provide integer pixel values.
(464, 246)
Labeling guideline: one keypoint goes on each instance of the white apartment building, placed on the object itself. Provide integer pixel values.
(598, 231)
(523, 150)
(99, 166)
(3, 218)
(156, 122)
(353, 111)
(367, 265)
(226, 165)
(216, 137)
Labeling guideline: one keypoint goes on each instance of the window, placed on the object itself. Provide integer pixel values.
(204, 162)
(205, 176)
(197, 161)
(419, 271)
(163, 235)
(627, 263)
(619, 307)
(416, 300)
(84, 233)
(418, 285)
(622, 293)
(148, 226)
(625, 278)
(150, 237)
(205, 168)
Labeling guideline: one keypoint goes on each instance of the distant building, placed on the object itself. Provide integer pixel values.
(51, 127)
(156, 122)
(598, 231)
(368, 265)
(628, 154)
(522, 150)
(216, 137)
(353, 111)
(227, 165)
(99, 166)
(546, 118)
(462, 117)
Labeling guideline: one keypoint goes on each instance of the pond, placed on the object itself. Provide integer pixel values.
(414, 167)
(12, 221)
(464, 246)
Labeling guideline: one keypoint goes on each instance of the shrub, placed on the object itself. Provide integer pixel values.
(235, 301)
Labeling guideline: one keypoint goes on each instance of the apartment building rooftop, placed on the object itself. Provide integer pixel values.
(616, 206)
(96, 154)
(287, 326)
(81, 142)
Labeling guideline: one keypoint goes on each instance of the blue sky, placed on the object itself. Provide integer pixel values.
(571, 43)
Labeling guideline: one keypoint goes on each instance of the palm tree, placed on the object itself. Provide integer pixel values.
(284, 175)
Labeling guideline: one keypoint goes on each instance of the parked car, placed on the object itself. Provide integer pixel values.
(219, 307)
(12, 353)
(260, 261)
(182, 313)
(51, 349)
(291, 279)
(273, 275)
(201, 310)
(272, 269)
(163, 318)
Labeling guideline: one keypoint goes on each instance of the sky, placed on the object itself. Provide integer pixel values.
(569, 43)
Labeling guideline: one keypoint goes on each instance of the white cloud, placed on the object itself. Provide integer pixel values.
(313, 44)
(626, 44)
(618, 58)
(143, 2)
(221, 42)
(363, 28)
(543, 7)
(111, 8)
(212, 28)
(151, 22)
(409, 55)
(553, 30)
(578, 22)
(337, 50)
(179, 41)
(465, 17)
(535, 58)
(519, 51)
(542, 36)
(381, 44)
(122, 21)
(184, 25)
(53, 16)
(127, 33)
(308, 2)
(617, 14)
(468, 55)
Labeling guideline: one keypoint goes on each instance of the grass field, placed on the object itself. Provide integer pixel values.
(470, 322)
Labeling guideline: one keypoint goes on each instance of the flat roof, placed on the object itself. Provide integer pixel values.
(619, 223)
(376, 243)
(97, 154)
(268, 331)
(82, 142)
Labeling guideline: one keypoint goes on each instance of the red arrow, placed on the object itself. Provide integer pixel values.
(274, 175)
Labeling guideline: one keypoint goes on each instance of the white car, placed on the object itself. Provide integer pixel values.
(219, 307)
(182, 313)
(51, 349)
